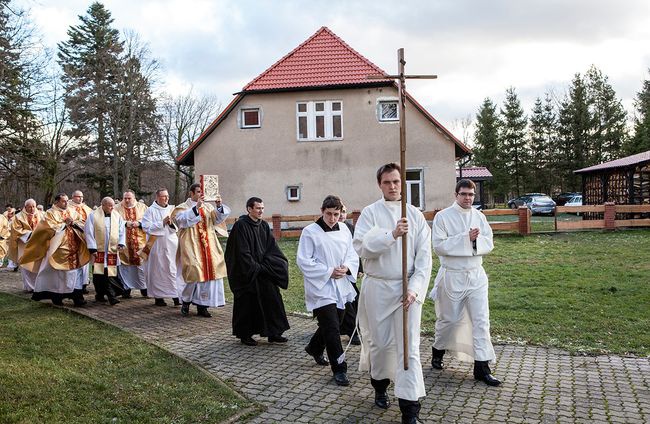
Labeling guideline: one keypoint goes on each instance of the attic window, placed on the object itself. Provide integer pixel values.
(319, 120)
(293, 193)
(250, 118)
(387, 111)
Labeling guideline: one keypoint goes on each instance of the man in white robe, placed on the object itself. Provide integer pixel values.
(200, 265)
(461, 236)
(83, 210)
(377, 241)
(22, 227)
(105, 237)
(160, 250)
(131, 269)
(329, 265)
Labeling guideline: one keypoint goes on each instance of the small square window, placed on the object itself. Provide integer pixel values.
(293, 193)
(250, 118)
(387, 110)
(302, 107)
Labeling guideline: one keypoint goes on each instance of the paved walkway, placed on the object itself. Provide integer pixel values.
(540, 385)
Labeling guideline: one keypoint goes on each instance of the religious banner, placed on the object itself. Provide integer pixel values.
(210, 187)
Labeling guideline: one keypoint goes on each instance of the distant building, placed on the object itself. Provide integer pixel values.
(313, 124)
(478, 174)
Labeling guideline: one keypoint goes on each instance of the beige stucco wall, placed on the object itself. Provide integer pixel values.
(263, 161)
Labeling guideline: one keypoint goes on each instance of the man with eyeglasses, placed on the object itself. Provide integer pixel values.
(83, 210)
(461, 236)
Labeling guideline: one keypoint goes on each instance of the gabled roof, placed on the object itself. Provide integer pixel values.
(324, 60)
(618, 163)
(475, 172)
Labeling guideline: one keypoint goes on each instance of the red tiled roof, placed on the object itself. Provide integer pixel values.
(618, 163)
(323, 60)
(475, 172)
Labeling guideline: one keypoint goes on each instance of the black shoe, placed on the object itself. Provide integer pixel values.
(436, 359)
(100, 299)
(177, 301)
(113, 301)
(248, 341)
(278, 339)
(356, 341)
(143, 292)
(79, 302)
(160, 302)
(483, 373)
(341, 379)
(410, 411)
(185, 309)
(202, 311)
(57, 302)
(84, 289)
(381, 400)
(126, 294)
(319, 358)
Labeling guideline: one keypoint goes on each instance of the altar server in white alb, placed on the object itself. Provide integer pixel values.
(201, 266)
(377, 240)
(160, 251)
(461, 236)
(329, 265)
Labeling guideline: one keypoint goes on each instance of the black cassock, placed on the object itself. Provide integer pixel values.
(256, 268)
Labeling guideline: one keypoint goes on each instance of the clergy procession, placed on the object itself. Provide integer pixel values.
(169, 252)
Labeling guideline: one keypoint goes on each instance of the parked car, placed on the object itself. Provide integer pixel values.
(562, 198)
(575, 201)
(538, 203)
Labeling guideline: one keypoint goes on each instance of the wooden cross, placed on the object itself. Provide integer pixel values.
(402, 155)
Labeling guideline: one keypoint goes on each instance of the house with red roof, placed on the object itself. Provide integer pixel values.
(313, 124)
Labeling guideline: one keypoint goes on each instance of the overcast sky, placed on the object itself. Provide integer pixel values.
(477, 48)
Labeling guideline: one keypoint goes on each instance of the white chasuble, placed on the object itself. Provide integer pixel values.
(160, 267)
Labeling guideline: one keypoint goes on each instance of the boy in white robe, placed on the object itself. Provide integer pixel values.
(329, 265)
(162, 244)
(461, 236)
(377, 241)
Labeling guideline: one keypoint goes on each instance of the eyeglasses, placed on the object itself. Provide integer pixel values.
(466, 194)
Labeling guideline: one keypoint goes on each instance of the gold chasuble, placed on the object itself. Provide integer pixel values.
(21, 225)
(200, 251)
(100, 238)
(82, 210)
(136, 238)
(68, 246)
(4, 234)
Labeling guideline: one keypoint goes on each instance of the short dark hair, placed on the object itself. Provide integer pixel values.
(160, 190)
(250, 203)
(194, 186)
(385, 169)
(465, 183)
(332, 201)
(59, 196)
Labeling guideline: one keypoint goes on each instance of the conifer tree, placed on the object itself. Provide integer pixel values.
(640, 142)
(513, 139)
(543, 140)
(487, 147)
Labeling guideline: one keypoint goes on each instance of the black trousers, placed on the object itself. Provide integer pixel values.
(107, 286)
(328, 337)
(350, 319)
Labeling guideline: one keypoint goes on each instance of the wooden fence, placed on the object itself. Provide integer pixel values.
(522, 225)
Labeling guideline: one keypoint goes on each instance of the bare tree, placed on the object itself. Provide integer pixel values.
(182, 119)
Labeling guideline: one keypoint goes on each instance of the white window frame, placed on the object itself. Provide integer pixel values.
(248, 109)
(311, 115)
(295, 198)
(419, 183)
(385, 100)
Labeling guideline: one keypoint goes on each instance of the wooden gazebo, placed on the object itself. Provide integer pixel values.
(624, 181)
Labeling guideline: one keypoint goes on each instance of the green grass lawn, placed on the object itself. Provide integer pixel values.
(538, 223)
(56, 366)
(583, 291)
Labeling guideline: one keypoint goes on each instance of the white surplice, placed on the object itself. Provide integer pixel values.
(160, 267)
(204, 293)
(461, 286)
(89, 234)
(29, 278)
(380, 301)
(319, 252)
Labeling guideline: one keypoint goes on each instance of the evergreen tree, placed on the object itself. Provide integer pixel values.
(543, 141)
(640, 142)
(513, 139)
(487, 147)
(90, 60)
(608, 118)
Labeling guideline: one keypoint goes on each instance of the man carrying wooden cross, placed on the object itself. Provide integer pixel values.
(377, 241)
